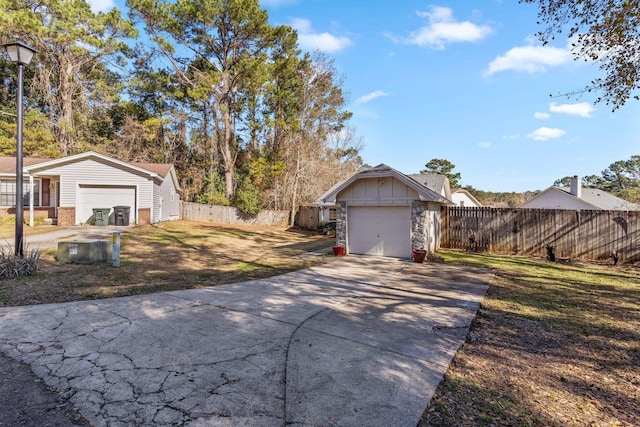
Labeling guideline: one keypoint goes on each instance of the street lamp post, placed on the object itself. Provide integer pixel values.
(21, 54)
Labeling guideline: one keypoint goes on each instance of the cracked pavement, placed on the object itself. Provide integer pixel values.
(356, 341)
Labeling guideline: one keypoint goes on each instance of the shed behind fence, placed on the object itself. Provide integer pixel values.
(585, 234)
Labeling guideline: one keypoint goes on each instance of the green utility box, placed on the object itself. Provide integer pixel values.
(84, 252)
(101, 216)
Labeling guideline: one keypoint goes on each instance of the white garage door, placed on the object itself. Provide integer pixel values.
(379, 230)
(103, 196)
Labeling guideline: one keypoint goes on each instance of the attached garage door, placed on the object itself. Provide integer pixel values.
(380, 230)
(104, 196)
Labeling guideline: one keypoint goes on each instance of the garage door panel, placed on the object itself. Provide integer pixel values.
(92, 196)
(379, 230)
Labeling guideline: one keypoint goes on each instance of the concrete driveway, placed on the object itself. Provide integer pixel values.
(356, 341)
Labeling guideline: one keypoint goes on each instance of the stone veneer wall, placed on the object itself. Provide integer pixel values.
(144, 216)
(341, 224)
(66, 216)
(419, 224)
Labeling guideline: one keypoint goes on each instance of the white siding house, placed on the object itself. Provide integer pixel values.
(72, 187)
(463, 198)
(578, 198)
(166, 200)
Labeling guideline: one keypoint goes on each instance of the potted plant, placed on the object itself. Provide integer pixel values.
(418, 255)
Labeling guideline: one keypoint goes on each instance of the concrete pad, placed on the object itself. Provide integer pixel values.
(356, 341)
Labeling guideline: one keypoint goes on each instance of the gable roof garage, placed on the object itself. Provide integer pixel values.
(384, 212)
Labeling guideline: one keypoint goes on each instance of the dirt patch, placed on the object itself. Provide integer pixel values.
(27, 402)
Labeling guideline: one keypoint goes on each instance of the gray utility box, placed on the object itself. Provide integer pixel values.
(84, 251)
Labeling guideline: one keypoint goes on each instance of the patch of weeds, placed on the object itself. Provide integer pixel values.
(440, 407)
(247, 266)
(12, 266)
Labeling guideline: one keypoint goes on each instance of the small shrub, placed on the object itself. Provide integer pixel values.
(12, 266)
(327, 228)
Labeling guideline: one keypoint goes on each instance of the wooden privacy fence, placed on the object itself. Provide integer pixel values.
(308, 217)
(230, 215)
(585, 234)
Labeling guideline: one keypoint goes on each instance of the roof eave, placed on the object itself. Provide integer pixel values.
(86, 155)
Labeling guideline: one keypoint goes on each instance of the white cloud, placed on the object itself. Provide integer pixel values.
(311, 40)
(541, 116)
(370, 97)
(530, 59)
(444, 29)
(545, 133)
(484, 144)
(582, 109)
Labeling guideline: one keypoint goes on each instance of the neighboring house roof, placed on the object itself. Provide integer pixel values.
(436, 182)
(604, 200)
(8, 164)
(382, 171)
(84, 156)
(593, 198)
(161, 169)
(34, 164)
(469, 195)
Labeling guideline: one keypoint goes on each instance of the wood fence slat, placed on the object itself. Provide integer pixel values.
(230, 215)
(587, 234)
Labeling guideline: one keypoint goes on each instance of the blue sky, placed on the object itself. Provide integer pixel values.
(463, 81)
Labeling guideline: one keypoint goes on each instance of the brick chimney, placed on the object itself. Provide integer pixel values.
(576, 186)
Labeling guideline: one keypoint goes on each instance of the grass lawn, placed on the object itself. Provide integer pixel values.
(169, 256)
(553, 344)
(8, 228)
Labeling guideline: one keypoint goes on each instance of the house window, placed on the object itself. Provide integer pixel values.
(333, 214)
(173, 194)
(8, 193)
(462, 203)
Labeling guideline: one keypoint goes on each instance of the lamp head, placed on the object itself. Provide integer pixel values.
(20, 53)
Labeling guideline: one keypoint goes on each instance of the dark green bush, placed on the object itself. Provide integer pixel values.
(327, 228)
(247, 199)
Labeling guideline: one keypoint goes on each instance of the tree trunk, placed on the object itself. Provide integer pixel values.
(64, 130)
(294, 193)
(227, 155)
